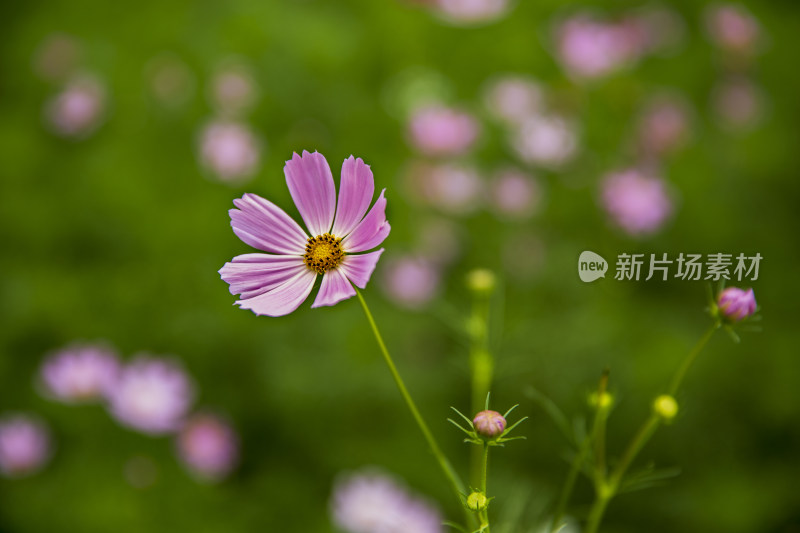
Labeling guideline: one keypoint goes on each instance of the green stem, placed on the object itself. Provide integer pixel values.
(484, 475)
(607, 491)
(596, 515)
(569, 484)
(684, 368)
(451, 475)
(481, 369)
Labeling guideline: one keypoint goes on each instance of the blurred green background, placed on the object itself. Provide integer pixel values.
(119, 237)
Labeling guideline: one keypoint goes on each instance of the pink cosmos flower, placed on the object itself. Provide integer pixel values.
(78, 110)
(515, 194)
(638, 203)
(588, 48)
(411, 282)
(24, 445)
(442, 131)
(739, 102)
(372, 502)
(512, 99)
(547, 141)
(80, 373)
(276, 283)
(472, 11)
(733, 28)
(208, 446)
(664, 125)
(736, 304)
(152, 395)
(230, 150)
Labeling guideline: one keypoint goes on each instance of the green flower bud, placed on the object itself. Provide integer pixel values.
(481, 281)
(665, 407)
(477, 501)
(601, 401)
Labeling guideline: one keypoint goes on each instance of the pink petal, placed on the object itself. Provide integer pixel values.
(371, 231)
(359, 268)
(283, 299)
(355, 194)
(311, 186)
(254, 274)
(334, 288)
(263, 225)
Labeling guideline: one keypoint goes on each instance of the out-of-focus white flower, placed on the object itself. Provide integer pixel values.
(471, 11)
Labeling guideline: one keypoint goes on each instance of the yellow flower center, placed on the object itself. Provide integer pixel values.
(323, 253)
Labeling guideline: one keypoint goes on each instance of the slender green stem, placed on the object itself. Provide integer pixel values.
(607, 491)
(451, 475)
(681, 373)
(481, 367)
(569, 484)
(596, 514)
(484, 475)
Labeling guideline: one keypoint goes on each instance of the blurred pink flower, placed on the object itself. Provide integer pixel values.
(512, 99)
(547, 141)
(736, 304)
(233, 89)
(170, 79)
(230, 150)
(739, 103)
(24, 445)
(442, 131)
(78, 109)
(79, 373)
(471, 11)
(275, 284)
(208, 446)
(590, 48)
(452, 188)
(638, 203)
(411, 282)
(152, 396)
(733, 28)
(515, 194)
(372, 502)
(57, 57)
(664, 126)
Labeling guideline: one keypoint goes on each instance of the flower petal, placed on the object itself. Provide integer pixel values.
(263, 225)
(371, 231)
(335, 287)
(284, 298)
(355, 194)
(251, 275)
(359, 268)
(311, 186)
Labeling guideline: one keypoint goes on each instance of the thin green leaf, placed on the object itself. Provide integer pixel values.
(509, 411)
(462, 415)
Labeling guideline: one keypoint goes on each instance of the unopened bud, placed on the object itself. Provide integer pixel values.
(481, 281)
(477, 501)
(735, 304)
(489, 424)
(666, 407)
(601, 401)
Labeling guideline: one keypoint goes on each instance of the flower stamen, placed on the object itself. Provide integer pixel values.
(323, 253)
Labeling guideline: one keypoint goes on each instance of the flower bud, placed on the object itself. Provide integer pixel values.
(665, 407)
(736, 304)
(601, 401)
(481, 281)
(489, 424)
(477, 501)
